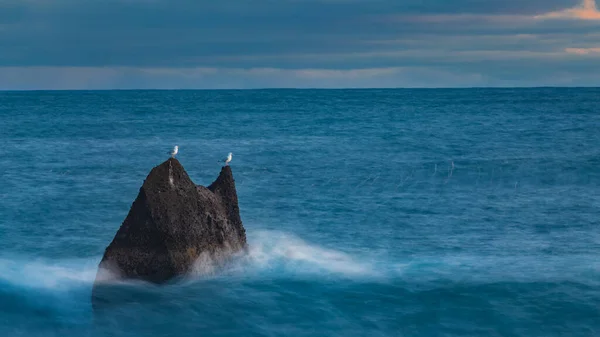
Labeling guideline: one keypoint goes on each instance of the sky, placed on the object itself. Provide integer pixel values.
(205, 44)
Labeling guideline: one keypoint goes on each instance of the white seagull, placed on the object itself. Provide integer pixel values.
(174, 151)
(228, 159)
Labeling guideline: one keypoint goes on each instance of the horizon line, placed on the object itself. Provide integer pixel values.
(305, 88)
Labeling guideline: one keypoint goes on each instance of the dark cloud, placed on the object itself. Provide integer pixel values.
(484, 40)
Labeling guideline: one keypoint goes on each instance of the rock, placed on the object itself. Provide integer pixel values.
(171, 223)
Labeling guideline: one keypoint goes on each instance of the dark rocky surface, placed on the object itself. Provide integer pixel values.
(171, 223)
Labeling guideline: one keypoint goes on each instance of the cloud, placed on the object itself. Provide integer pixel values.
(586, 11)
(205, 78)
(294, 43)
(583, 51)
(475, 75)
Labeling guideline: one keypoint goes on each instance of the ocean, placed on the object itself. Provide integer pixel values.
(429, 212)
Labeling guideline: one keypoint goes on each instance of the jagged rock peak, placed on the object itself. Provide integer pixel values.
(171, 223)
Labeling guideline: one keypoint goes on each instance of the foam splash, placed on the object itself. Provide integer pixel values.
(277, 254)
(268, 252)
(282, 252)
(47, 274)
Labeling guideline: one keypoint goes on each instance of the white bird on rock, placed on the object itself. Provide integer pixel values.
(228, 159)
(174, 151)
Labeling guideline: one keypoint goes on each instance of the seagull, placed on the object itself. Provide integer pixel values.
(174, 151)
(228, 160)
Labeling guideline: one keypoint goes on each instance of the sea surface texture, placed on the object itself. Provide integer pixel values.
(471, 212)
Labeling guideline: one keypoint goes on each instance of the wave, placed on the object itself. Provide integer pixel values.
(48, 274)
(277, 267)
(46, 288)
(286, 254)
(269, 252)
(273, 255)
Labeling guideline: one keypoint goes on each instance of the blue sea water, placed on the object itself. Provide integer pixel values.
(467, 212)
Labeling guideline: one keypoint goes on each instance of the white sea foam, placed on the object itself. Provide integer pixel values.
(286, 253)
(51, 274)
(278, 254)
(269, 252)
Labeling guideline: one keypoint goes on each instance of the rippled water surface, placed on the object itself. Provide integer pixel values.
(369, 212)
